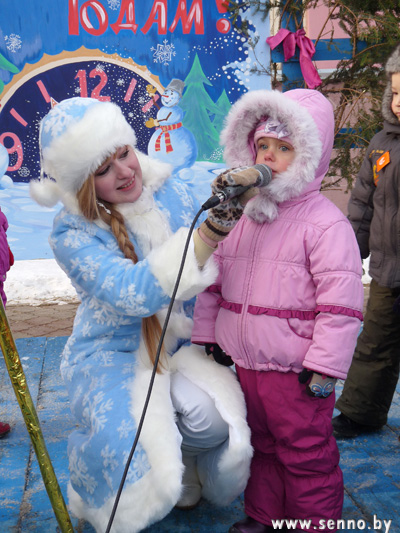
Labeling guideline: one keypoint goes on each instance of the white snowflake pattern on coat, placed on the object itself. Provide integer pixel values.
(106, 370)
(98, 362)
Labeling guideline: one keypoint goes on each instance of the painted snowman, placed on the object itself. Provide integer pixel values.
(172, 142)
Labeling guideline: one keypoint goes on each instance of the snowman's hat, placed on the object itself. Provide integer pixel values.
(176, 85)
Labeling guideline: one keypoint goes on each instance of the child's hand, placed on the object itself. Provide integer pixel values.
(218, 354)
(244, 176)
(224, 217)
(319, 386)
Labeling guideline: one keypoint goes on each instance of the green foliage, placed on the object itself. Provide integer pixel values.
(374, 30)
(199, 108)
(371, 6)
(223, 105)
(356, 85)
(6, 65)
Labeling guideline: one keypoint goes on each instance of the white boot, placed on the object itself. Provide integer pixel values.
(191, 491)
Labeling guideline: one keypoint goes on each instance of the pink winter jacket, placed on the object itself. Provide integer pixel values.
(289, 293)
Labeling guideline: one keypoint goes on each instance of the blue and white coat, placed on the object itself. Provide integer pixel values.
(107, 371)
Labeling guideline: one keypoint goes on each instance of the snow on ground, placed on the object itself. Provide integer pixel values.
(37, 282)
(35, 278)
(42, 281)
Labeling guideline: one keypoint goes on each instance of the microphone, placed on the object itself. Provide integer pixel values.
(262, 173)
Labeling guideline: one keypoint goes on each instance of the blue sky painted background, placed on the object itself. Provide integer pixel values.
(44, 49)
(28, 29)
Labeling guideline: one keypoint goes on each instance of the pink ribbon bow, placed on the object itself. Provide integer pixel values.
(307, 50)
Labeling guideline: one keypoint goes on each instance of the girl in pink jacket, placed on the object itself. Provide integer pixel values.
(286, 307)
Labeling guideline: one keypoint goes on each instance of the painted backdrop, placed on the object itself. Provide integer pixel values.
(174, 66)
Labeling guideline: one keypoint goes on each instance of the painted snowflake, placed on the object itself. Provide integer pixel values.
(24, 172)
(13, 42)
(114, 4)
(216, 155)
(163, 53)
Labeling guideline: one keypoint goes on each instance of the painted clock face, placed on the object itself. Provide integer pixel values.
(32, 93)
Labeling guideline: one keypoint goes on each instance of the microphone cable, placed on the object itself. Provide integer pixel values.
(153, 374)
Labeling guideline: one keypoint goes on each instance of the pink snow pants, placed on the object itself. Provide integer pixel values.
(295, 470)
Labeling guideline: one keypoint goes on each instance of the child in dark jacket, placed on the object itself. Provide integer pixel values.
(374, 213)
(6, 261)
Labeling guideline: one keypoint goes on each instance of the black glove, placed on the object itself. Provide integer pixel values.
(218, 354)
(319, 386)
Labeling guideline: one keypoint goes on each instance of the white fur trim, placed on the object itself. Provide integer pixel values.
(45, 192)
(151, 498)
(179, 327)
(247, 112)
(241, 122)
(222, 385)
(262, 208)
(154, 172)
(165, 262)
(83, 147)
(147, 221)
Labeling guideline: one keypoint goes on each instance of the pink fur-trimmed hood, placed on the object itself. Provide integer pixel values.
(307, 115)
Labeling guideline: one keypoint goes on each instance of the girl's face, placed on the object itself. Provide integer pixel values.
(396, 95)
(119, 179)
(274, 153)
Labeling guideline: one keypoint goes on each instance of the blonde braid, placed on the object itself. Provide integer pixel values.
(89, 205)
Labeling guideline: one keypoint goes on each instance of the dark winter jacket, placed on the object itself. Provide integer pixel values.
(374, 206)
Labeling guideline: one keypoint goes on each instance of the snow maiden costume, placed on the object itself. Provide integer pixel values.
(105, 365)
(288, 296)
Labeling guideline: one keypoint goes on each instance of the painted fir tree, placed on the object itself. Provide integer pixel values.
(224, 106)
(199, 110)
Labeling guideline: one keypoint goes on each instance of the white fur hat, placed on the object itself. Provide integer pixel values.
(75, 138)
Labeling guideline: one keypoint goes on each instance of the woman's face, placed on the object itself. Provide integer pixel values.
(119, 179)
